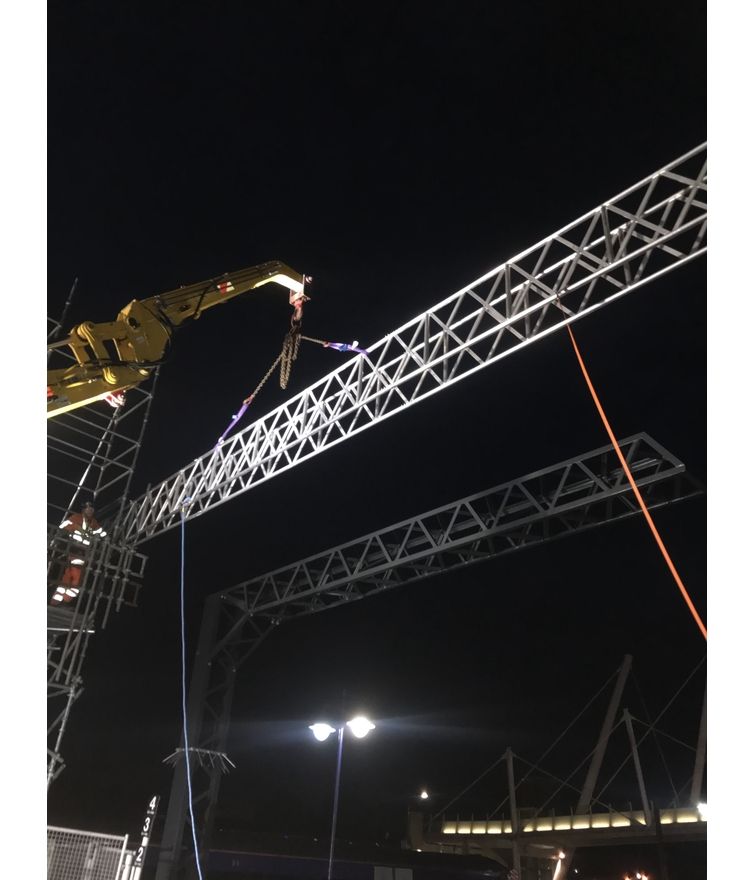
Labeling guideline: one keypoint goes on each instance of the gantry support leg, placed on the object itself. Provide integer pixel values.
(173, 831)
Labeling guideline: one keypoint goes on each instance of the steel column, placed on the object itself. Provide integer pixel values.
(514, 815)
(700, 754)
(600, 750)
(223, 645)
(638, 769)
(170, 849)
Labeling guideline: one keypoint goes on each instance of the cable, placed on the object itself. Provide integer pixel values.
(247, 400)
(655, 734)
(636, 491)
(652, 726)
(453, 800)
(183, 694)
(574, 771)
(557, 740)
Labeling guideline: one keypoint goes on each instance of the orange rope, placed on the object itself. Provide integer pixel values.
(624, 465)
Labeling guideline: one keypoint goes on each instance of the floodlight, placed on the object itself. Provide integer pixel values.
(321, 730)
(360, 726)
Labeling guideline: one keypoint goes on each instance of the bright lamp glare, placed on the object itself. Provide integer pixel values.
(702, 809)
(360, 726)
(424, 795)
(321, 731)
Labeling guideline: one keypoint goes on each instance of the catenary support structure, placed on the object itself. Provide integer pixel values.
(561, 500)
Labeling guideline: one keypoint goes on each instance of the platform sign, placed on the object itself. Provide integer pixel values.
(146, 833)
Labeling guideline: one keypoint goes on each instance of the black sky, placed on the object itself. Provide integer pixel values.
(394, 151)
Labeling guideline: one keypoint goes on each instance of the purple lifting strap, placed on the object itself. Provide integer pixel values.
(343, 346)
(244, 408)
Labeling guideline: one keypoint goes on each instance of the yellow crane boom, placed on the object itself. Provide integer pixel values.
(115, 356)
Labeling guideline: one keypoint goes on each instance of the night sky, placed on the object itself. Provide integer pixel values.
(395, 152)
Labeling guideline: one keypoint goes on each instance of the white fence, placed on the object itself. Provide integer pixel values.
(85, 855)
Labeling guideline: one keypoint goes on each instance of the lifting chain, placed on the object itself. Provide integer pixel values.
(289, 352)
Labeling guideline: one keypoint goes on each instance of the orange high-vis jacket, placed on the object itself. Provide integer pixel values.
(77, 523)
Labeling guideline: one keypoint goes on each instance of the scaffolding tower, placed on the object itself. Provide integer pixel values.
(91, 454)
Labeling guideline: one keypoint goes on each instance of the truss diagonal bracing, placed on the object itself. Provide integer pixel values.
(566, 498)
(651, 228)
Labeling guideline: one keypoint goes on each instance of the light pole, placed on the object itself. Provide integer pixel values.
(360, 727)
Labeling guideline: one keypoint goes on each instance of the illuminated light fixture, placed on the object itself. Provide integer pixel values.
(360, 726)
(561, 854)
(424, 795)
(702, 809)
(321, 731)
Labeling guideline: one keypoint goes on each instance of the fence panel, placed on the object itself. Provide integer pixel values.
(84, 855)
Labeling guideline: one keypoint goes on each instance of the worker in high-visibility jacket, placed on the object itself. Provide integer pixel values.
(82, 528)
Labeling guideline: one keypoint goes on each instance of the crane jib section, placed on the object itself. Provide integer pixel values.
(649, 229)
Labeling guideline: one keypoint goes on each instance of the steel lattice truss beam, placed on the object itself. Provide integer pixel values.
(569, 497)
(649, 229)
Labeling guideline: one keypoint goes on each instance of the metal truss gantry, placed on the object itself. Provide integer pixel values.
(649, 229)
(92, 453)
(566, 498)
